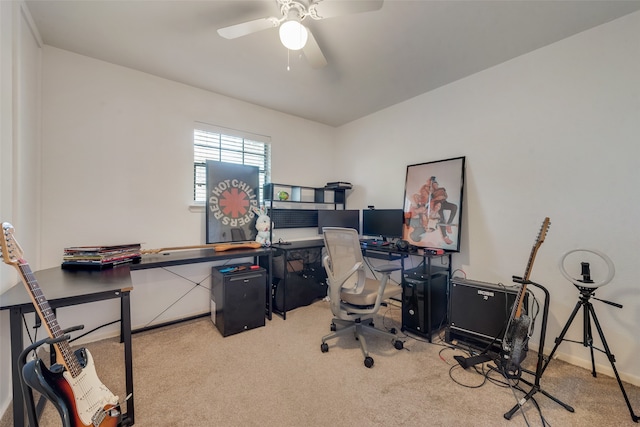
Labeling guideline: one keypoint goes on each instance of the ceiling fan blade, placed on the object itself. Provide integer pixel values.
(330, 8)
(313, 53)
(239, 30)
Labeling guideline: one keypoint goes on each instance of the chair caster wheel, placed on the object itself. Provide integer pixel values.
(333, 327)
(393, 331)
(368, 361)
(399, 345)
(324, 347)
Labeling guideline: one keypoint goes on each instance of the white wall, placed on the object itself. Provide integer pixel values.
(19, 152)
(118, 150)
(552, 133)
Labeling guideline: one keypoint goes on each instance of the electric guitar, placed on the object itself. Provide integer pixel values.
(515, 343)
(218, 247)
(72, 386)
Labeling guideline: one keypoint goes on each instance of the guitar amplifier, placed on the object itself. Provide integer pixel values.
(479, 313)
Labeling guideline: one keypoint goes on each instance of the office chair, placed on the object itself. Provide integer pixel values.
(353, 295)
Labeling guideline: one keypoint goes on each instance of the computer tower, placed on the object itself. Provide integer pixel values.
(424, 301)
(479, 313)
(238, 298)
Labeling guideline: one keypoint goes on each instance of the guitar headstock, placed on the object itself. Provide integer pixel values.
(534, 250)
(543, 231)
(11, 250)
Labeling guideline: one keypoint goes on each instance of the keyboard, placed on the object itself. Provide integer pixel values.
(374, 242)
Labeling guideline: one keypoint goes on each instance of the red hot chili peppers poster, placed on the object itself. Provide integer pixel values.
(232, 190)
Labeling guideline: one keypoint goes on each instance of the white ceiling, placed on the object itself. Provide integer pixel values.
(375, 59)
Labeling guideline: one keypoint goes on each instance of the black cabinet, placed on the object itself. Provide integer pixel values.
(238, 298)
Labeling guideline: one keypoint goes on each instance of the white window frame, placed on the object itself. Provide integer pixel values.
(218, 143)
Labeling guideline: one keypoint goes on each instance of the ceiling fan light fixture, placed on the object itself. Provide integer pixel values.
(293, 35)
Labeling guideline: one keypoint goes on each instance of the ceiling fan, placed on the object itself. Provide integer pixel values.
(293, 34)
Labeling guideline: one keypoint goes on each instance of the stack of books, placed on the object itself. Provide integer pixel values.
(100, 257)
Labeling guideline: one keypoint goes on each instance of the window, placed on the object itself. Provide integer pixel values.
(231, 146)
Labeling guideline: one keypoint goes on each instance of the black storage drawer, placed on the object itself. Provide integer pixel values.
(238, 298)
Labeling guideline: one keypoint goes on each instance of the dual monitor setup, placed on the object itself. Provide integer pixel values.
(376, 223)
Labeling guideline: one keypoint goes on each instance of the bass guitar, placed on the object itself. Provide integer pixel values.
(218, 247)
(72, 385)
(515, 343)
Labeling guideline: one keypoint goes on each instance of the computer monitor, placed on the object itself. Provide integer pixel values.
(385, 223)
(347, 218)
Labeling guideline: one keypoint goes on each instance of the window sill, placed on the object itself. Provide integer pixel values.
(197, 207)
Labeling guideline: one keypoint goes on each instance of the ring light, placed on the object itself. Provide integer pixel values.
(611, 270)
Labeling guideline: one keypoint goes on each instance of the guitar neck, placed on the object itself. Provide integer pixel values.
(520, 301)
(523, 289)
(527, 272)
(219, 247)
(45, 312)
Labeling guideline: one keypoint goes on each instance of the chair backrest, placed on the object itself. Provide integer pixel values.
(345, 267)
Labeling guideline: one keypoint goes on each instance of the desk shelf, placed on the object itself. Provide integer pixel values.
(299, 208)
(297, 194)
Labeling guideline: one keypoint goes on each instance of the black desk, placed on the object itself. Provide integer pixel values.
(64, 288)
(287, 250)
(167, 259)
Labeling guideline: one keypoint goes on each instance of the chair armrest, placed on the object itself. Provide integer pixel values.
(387, 268)
(326, 262)
(349, 273)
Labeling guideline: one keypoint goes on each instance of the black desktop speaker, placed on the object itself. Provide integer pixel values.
(479, 312)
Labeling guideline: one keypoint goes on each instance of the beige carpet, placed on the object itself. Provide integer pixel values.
(189, 375)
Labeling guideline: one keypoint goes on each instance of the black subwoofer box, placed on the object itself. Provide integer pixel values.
(479, 312)
(238, 298)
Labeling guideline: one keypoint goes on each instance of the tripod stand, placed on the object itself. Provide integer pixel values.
(587, 338)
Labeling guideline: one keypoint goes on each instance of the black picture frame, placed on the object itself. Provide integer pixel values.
(232, 193)
(433, 207)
